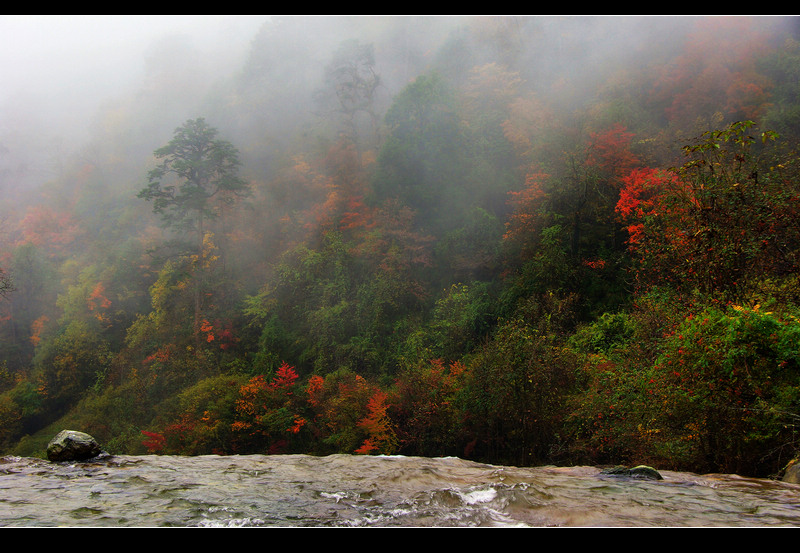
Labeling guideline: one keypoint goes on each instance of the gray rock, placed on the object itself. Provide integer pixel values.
(641, 471)
(70, 445)
(792, 474)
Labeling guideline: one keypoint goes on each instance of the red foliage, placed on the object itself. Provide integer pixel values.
(314, 390)
(269, 410)
(357, 215)
(380, 433)
(716, 225)
(594, 263)
(155, 441)
(219, 332)
(655, 207)
(716, 70)
(527, 203)
(610, 151)
(285, 378)
(642, 191)
(48, 228)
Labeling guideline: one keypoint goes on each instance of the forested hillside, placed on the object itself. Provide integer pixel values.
(521, 240)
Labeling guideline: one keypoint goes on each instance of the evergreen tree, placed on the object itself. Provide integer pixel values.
(198, 174)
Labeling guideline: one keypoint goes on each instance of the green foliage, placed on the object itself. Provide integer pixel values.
(70, 363)
(6, 284)
(611, 331)
(307, 312)
(727, 381)
(783, 112)
(515, 399)
(200, 420)
(351, 87)
(609, 421)
(170, 314)
(718, 393)
(425, 159)
(549, 269)
(471, 251)
(112, 415)
(20, 408)
(207, 171)
(197, 178)
(460, 319)
(428, 409)
(32, 303)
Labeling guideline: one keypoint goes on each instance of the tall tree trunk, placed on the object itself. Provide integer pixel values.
(198, 282)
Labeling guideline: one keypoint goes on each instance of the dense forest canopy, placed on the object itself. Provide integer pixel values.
(521, 240)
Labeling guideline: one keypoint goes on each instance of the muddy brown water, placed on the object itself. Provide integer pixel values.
(364, 491)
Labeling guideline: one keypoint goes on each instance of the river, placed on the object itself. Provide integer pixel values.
(364, 491)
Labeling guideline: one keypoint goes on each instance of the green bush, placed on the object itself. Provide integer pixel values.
(727, 383)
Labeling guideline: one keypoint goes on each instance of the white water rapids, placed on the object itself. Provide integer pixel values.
(364, 491)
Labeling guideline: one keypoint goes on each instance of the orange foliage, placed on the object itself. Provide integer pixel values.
(716, 70)
(299, 422)
(337, 191)
(162, 355)
(248, 393)
(314, 390)
(36, 329)
(97, 298)
(43, 226)
(268, 410)
(98, 303)
(381, 437)
(525, 220)
(610, 152)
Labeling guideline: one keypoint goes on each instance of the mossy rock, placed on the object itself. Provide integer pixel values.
(641, 471)
(71, 445)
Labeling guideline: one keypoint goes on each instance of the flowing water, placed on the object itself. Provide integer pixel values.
(363, 491)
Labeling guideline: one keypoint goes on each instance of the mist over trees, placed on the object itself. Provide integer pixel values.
(519, 240)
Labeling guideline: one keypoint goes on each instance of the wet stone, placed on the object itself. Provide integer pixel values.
(71, 445)
(641, 471)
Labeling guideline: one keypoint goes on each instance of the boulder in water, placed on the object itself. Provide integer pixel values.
(641, 471)
(792, 474)
(71, 445)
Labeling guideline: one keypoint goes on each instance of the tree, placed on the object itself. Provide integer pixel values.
(6, 286)
(724, 224)
(425, 162)
(196, 177)
(206, 169)
(351, 86)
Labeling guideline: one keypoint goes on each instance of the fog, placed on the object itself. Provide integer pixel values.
(61, 75)
(68, 80)
(68, 65)
(58, 70)
(90, 88)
